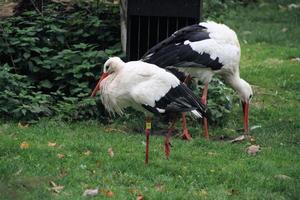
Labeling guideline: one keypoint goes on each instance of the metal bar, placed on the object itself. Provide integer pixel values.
(157, 39)
(139, 37)
(148, 38)
(167, 26)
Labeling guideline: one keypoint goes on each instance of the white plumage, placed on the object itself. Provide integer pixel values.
(147, 88)
(203, 50)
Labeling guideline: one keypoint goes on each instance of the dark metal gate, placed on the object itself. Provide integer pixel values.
(147, 22)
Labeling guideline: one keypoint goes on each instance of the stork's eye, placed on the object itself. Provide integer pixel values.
(250, 97)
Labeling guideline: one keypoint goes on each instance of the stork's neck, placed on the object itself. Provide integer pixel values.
(240, 86)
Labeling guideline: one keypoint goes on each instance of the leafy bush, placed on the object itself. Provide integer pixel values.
(54, 58)
(17, 98)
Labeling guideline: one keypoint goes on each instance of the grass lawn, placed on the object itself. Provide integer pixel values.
(199, 169)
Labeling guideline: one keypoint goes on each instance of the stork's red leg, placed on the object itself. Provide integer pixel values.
(185, 132)
(204, 101)
(167, 139)
(147, 130)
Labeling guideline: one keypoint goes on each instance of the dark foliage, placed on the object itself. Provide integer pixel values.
(50, 58)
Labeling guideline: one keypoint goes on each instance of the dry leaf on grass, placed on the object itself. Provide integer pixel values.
(91, 192)
(282, 177)
(59, 155)
(107, 193)
(20, 125)
(253, 149)
(87, 153)
(140, 197)
(295, 59)
(56, 188)
(232, 192)
(159, 187)
(24, 145)
(110, 152)
(238, 139)
(202, 193)
(210, 153)
(51, 144)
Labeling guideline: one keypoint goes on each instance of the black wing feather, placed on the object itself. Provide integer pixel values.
(178, 99)
(173, 52)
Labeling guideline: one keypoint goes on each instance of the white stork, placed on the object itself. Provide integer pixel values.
(202, 50)
(147, 88)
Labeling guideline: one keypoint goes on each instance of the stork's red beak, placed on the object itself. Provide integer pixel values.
(246, 116)
(103, 76)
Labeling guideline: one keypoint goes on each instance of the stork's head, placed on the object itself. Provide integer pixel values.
(245, 91)
(112, 65)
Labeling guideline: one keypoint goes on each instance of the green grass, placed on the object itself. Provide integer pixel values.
(196, 170)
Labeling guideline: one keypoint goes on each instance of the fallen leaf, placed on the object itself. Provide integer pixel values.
(56, 188)
(238, 139)
(282, 177)
(20, 125)
(140, 197)
(24, 145)
(18, 172)
(284, 29)
(91, 192)
(59, 155)
(51, 144)
(233, 192)
(254, 127)
(87, 153)
(107, 193)
(253, 149)
(159, 187)
(211, 153)
(110, 152)
(203, 193)
(295, 59)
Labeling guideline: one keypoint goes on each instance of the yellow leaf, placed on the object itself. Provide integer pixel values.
(203, 193)
(24, 145)
(51, 144)
(59, 155)
(140, 197)
(253, 149)
(56, 188)
(107, 193)
(20, 125)
(110, 152)
(87, 153)
(159, 187)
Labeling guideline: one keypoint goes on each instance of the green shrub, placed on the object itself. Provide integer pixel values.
(55, 58)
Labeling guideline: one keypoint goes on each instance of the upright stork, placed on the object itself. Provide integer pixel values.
(149, 89)
(202, 50)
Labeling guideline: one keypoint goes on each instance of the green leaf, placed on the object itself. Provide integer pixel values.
(46, 84)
